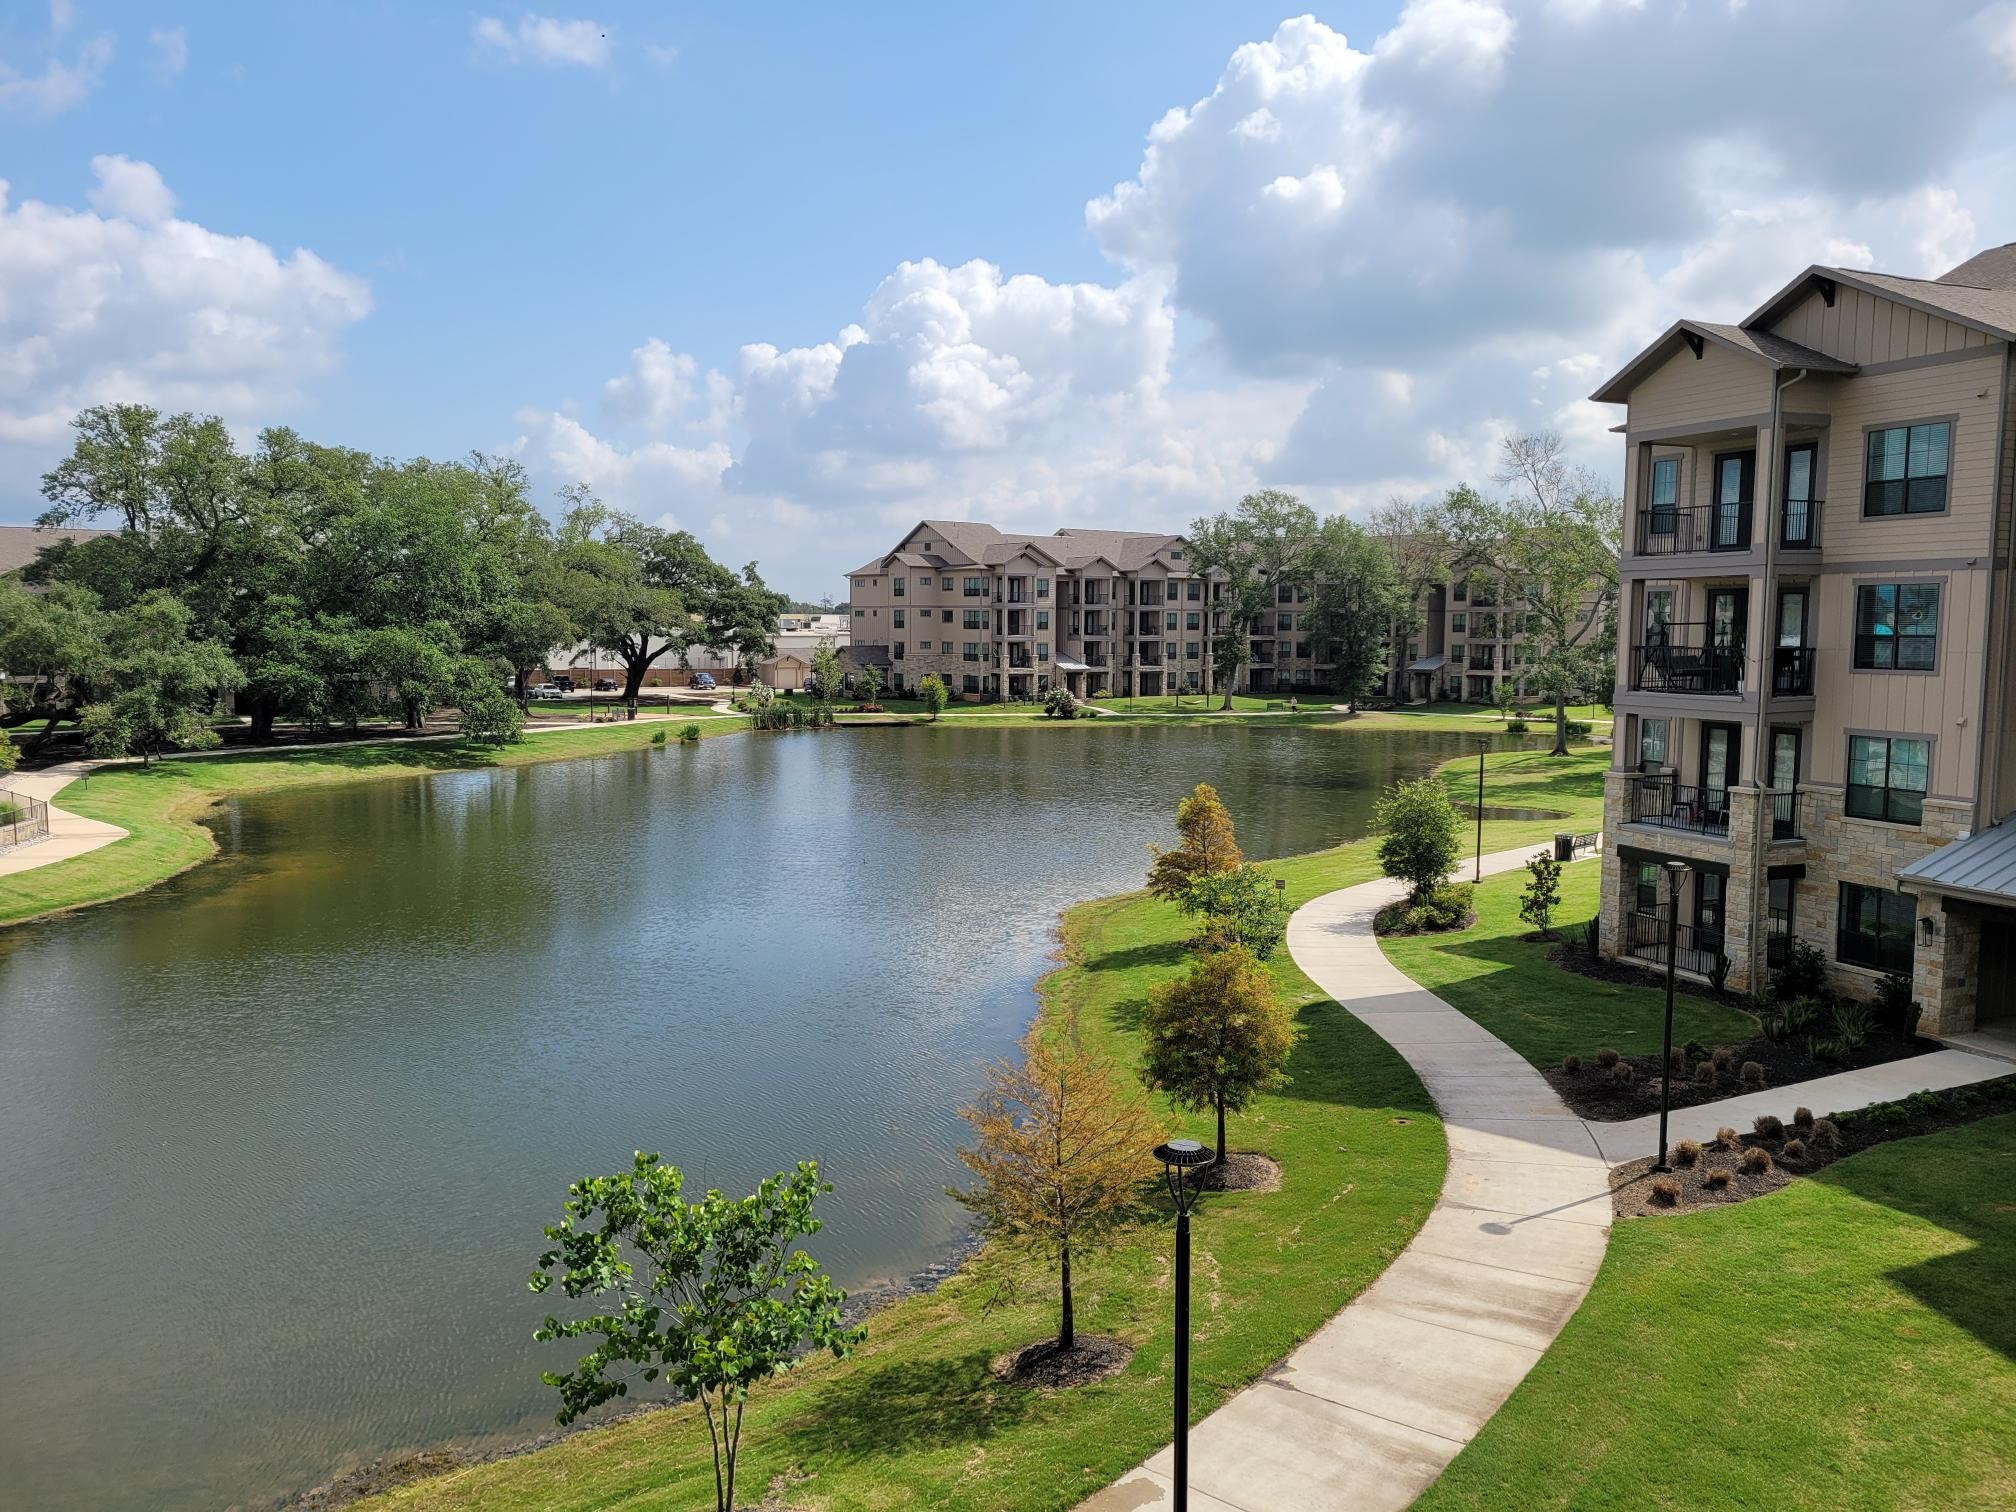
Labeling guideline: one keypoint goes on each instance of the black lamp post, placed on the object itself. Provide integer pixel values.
(1179, 1157)
(1675, 870)
(1483, 745)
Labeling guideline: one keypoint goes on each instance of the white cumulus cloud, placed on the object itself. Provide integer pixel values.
(545, 40)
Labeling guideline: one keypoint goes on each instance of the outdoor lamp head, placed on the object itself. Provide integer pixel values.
(1177, 1157)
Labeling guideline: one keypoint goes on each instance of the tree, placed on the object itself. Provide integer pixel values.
(1216, 1037)
(1543, 893)
(1208, 847)
(489, 713)
(714, 1295)
(1238, 907)
(1553, 549)
(1358, 599)
(1265, 544)
(1416, 545)
(1507, 695)
(868, 683)
(931, 688)
(826, 672)
(52, 645)
(1421, 835)
(1061, 1159)
(9, 756)
(160, 684)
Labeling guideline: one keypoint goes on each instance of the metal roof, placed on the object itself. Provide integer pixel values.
(1983, 865)
(1427, 663)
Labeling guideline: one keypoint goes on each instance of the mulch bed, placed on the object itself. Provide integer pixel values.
(1573, 957)
(1921, 1113)
(1242, 1171)
(1094, 1357)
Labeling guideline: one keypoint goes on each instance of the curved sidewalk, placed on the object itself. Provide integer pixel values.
(69, 834)
(1366, 1413)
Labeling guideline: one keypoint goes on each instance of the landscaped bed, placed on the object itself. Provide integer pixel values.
(1595, 1091)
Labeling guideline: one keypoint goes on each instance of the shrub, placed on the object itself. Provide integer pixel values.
(1795, 1149)
(1724, 1057)
(1688, 1152)
(1704, 1074)
(1677, 1060)
(1445, 908)
(1725, 1138)
(688, 734)
(1622, 1074)
(1799, 1014)
(1591, 938)
(1853, 1021)
(1775, 1029)
(1718, 974)
(1571, 1064)
(1716, 1178)
(657, 737)
(1515, 726)
(1606, 1058)
(1577, 729)
(1802, 1116)
(1826, 1133)
(1422, 835)
(1768, 1126)
(1059, 703)
(1753, 1075)
(1666, 1191)
(1899, 1015)
(1756, 1160)
(1697, 1050)
(1822, 1049)
(1803, 975)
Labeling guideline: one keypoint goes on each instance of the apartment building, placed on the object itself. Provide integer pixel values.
(1000, 614)
(1468, 638)
(1817, 698)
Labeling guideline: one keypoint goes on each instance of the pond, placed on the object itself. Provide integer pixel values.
(281, 1134)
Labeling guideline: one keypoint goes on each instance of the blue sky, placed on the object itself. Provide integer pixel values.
(790, 276)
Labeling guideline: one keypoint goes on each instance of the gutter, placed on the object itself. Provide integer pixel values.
(1989, 764)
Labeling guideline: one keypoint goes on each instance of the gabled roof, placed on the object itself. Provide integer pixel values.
(1984, 307)
(1761, 345)
(21, 544)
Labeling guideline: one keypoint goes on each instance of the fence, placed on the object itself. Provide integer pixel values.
(23, 820)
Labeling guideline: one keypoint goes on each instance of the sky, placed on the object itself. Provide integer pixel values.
(794, 276)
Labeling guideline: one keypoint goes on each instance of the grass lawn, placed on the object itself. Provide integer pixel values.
(915, 1421)
(157, 804)
(1849, 1341)
(1506, 983)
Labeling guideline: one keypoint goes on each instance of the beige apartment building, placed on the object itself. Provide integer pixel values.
(1000, 614)
(1817, 697)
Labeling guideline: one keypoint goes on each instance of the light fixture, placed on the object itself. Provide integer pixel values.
(1926, 929)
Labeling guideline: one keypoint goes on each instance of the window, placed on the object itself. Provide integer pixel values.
(896, 651)
(946, 584)
(976, 619)
(1413, 650)
(1456, 654)
(1665, 495)
(1042, 587)
(969, 684)
(971, 651)
(1887, 778)
(1169, 651)
(1873, 928)
(1907, 470)
(1648, 887)
(1042, 651)
(1651, 743)
(976, 587)
(1778, 915)
(1658, 615)
(860, 614)
(860, 582)
(945, 615)
(1896, 627)
(896, 584)
(1175, 555)
(1459, 623)
(924, 583)
(1169, 621)
(1462, 589)
(1192, 620)
(1194, 590)
(899, 619)
(945, 647)
(1284, 622)
(1042, 619)
(1189, 650)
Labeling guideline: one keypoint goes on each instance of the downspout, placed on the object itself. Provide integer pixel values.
(1760, 886)
(1988, 768)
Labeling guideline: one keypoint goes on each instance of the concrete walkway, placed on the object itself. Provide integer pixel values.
(1368, 1411)
(69, 834)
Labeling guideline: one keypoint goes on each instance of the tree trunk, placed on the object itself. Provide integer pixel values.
(264, 710)
(1560, 722)
(1067, 1329)
(633, 677)
(34, 747)
(1220, 1100)
(413, 719)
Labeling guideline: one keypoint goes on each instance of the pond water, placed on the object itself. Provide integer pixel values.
(280, 1136)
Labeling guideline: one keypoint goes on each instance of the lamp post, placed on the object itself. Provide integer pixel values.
(1483, 745)
(1675, 870)
(1179, 1157)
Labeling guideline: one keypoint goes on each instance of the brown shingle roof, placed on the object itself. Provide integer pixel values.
(20, 544)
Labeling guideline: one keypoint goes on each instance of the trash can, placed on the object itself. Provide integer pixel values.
(1564, 847)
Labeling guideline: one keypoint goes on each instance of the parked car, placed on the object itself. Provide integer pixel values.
(543, 690)
(564, 683)
(703, 680)
(605, 685)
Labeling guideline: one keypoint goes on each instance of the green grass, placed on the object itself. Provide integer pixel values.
(1849, 1341)
(158, 804)
(915, 1421)
(1506, 983)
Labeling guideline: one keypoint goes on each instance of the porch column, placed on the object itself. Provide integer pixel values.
(1946, 971)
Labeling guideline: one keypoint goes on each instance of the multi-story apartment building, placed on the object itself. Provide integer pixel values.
(1817, 700)
(1466, 639)
(1006, 615)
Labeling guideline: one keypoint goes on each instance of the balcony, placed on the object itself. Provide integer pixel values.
(1792, 672)
(1695, 948)
(1150, 656)
(1674, 531)
(1666, 804)
(1799, 524)
(1019, 659)
(1785, 814)
(1095, 658)
(1687, 659)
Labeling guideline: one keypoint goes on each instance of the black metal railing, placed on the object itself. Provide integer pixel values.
(1785, 814)
(1695, 948)
(1792, 672)
(1686, 659)
(1799, 524)
(1671, 805)
(1671, 530)
(23, 820)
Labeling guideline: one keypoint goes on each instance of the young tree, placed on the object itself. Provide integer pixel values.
(1216, 1037)
(714, 1295)
(1208, 845)
(1265, 544)
(1507, 696)
(826, 673)
(1543, 893)
(160, 684)
(1061, 1159)
(868, 683)
(931, 688)
(1422, 836)
(1359, 597)
(1239, 907)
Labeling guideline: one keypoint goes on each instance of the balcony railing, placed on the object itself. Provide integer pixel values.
(1672, 530)
(1785, 814)
(1687, 659)
(1792, 672)
(1670, 805)
(1799, 524)
(1695, 948)
(1095, 658)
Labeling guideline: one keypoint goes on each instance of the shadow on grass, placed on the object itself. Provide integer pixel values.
(909, 1405)
(1338, 1060)
(1958, 1180)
